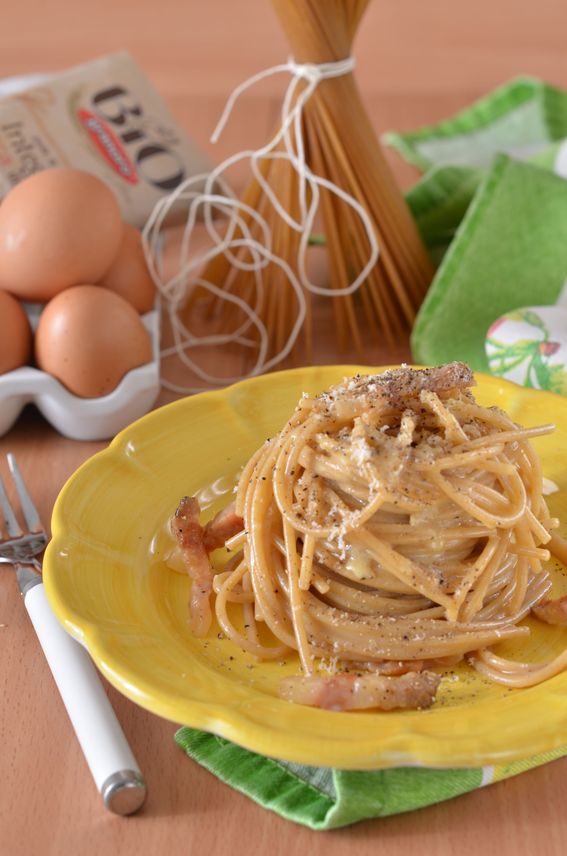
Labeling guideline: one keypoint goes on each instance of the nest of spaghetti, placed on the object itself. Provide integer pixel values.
(392, 528)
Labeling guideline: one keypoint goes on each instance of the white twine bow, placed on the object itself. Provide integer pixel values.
(238, 233)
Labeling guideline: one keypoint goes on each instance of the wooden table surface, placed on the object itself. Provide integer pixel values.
(417, 62)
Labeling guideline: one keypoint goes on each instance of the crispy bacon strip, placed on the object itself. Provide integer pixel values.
(552, 611)
(393, 389)
(403, 383)
(398, 385)
(196, 542)
(411, 691)
(223, 526)
(190, 537)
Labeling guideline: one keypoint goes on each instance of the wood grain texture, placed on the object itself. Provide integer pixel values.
(416, 63)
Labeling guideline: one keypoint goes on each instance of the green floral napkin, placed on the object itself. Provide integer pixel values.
(526, 119)
(529, 346)
(321, 798)
(492, 209)
(510, 251)
(521, 118)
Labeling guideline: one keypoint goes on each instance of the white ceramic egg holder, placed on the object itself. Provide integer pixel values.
(82, 418)
(75, 417)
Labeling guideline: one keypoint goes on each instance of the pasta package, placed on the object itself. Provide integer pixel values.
(104, 117)
(393, 528)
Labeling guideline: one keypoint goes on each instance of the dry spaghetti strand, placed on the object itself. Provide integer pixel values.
(340, 146)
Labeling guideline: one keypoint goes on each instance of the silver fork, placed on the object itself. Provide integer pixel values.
(106, 750)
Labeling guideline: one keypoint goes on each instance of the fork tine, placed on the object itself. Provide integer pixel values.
(10, 522)
(28, 508)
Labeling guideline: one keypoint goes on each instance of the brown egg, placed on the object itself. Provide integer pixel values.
(58, 227)
(15, 334)
(128, 274)
(89, 338)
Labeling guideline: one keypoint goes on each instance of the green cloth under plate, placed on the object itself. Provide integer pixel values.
(322, 798)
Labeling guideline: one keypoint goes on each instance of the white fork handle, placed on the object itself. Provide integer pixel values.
(112, 764)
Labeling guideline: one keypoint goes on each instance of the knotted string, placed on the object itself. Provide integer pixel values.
(212, 194)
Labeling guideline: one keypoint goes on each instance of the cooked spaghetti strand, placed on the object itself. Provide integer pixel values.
(392, 520)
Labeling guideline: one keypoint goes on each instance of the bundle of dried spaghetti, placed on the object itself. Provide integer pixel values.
(392, 527)
(323, 172)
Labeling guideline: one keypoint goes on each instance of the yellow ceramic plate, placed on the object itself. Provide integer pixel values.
(107, 582)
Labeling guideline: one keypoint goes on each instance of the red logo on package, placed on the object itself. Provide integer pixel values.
(108, 145)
